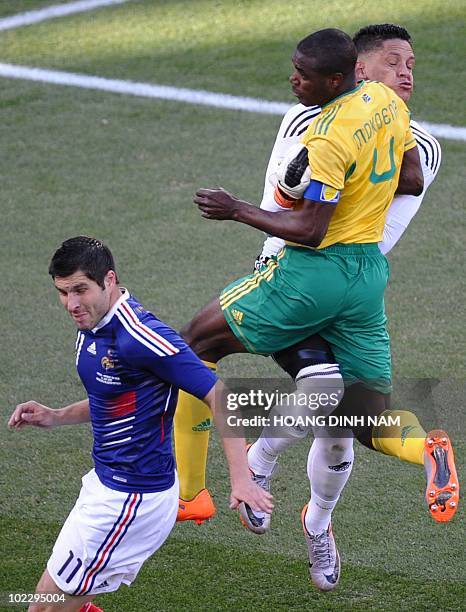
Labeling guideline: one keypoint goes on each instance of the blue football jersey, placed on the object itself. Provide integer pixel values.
(132, 365)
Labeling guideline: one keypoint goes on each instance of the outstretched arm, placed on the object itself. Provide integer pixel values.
(38, 415)
(306, 224)
(243, 489)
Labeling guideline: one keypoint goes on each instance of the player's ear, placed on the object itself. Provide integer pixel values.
(360, 71)
(110, 279)
(335, 80)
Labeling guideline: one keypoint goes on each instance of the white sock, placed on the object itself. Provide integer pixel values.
(330, 462)
(263, 454)
(319, 513)
(310, 457)
(312, 381)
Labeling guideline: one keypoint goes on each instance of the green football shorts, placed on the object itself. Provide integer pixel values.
(337, 292)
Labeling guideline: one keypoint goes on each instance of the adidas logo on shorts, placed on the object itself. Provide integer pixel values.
(237, 315)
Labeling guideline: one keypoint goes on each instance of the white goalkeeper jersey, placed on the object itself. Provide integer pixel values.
(403, 207)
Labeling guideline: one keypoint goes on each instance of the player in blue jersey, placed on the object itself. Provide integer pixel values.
(131, 365)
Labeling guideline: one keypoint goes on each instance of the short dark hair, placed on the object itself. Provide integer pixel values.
(333, 50)
(88, 255)
(371, 37)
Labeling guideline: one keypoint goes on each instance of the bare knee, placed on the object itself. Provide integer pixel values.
(62, 601)
(45, 585)
(200, 332)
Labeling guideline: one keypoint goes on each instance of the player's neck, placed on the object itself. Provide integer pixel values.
(114, 296)
(346, 88)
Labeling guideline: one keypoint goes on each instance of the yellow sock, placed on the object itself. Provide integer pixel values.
(405, 441)
(192, 423)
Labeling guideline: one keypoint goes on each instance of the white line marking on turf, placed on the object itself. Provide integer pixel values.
(190, 96)
(51, 12)
(443, 130)
(147, 90)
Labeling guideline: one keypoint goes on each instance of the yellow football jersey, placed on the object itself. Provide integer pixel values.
(356, 146)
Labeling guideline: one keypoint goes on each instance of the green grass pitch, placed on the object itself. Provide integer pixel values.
(125, 169)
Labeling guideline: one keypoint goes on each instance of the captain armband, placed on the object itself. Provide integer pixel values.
(320, 192)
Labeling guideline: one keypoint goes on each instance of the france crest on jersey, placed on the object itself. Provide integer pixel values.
(132, 365)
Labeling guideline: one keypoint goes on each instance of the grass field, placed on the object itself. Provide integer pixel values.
(125, 169)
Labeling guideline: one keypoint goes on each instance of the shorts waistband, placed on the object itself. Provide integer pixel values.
(370, 248)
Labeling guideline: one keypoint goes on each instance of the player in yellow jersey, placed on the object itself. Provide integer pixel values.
(337, 289)
(385, 54)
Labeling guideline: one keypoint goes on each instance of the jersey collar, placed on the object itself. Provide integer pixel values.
(124, 296)
(347, 93)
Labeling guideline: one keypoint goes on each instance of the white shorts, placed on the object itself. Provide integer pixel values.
(108, 535)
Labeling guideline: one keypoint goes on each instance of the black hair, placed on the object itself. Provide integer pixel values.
(85, 254)
(372, 36)
(332, 50)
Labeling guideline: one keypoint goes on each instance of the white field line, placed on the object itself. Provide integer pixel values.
(190, 96)
(146, 90)
(51, 12)
(443, 130)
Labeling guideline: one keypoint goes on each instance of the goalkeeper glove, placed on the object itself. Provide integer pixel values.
(292, 177)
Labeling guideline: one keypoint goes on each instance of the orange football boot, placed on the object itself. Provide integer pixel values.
(442, 492)
(199, 509)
